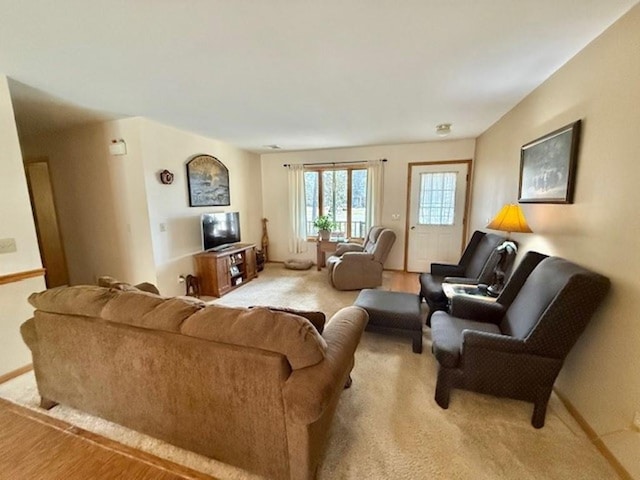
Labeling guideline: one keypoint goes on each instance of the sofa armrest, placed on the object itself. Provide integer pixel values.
(29, 335)
(447, 270)
(475, 309)
(308, 391)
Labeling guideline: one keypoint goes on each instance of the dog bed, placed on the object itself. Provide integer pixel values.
(293, 264)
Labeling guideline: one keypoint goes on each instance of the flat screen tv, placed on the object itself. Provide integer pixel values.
(220, 230)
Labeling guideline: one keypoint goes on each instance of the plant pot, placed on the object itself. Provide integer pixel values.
(324, 234)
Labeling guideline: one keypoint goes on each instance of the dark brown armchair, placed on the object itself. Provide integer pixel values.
(516, 347)
(476, 265)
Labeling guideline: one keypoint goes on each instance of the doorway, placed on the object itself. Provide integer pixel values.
(437, 213)
(46, 221)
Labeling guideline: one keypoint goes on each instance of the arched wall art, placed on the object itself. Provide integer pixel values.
(208, 181)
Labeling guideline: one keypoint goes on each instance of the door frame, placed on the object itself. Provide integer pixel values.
(467, 205)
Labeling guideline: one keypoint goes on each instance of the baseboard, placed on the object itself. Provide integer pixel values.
(15, 373)
(595, 439)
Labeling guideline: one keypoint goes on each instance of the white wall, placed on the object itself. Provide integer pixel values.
(274, 187)
(601, 230)
(16, 221)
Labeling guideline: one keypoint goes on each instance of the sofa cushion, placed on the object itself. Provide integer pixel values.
(259, 327)
(78, 300)
(446, 332)
(110, 282)
(317, 319)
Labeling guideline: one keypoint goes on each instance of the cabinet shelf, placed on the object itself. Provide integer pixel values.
(214, 269)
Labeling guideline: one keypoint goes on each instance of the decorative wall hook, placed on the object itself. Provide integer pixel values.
(166, 177)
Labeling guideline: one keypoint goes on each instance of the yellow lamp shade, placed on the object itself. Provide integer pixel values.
(510, 219)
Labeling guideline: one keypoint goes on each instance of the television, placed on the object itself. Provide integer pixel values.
(220, 230)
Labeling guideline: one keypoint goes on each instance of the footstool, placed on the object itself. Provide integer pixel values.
(393, 312)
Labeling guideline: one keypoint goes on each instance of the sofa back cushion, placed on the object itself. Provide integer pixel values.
(284, 333)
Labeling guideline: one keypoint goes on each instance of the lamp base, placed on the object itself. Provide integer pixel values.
(494, 290)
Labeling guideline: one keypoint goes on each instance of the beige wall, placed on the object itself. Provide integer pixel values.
(111, 207)
(101, 200)
(274, 186)
(16, 222)
(601, 230)
(169, 148)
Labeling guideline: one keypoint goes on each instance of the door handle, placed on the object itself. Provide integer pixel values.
(413, 227)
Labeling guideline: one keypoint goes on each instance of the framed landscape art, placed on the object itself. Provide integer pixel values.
(548, 165)
(208, 181)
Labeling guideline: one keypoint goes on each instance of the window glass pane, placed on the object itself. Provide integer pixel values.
(334, 193)
(312, 196)
(358, 203)
(437, 198)
(335, 199)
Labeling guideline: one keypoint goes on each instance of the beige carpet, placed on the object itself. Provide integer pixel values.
(387, 425)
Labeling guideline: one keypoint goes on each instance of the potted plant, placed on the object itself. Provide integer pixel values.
(324, 224)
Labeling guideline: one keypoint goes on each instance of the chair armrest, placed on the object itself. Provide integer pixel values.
(447, 270)
(343, 248)
(356, 256)
(308, 391)
(492, 341)
(476, 309)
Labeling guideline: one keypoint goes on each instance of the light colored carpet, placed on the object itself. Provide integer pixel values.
(387, 424)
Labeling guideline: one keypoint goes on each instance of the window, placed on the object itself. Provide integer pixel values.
(437, 198)
(340, 193)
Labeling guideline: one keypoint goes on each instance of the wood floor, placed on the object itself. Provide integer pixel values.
(37, 446)
(404, 282)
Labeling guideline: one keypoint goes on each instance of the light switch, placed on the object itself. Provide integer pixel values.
(8, 245)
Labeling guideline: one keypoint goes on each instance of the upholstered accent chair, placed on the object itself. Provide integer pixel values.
(516, 346)
(354, 269)
(476, 265)
(369, 241)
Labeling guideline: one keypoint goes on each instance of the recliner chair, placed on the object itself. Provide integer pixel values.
(354, 270)
(516, 347)
(474, 267)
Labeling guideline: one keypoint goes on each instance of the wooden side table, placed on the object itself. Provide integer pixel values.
(322, 247)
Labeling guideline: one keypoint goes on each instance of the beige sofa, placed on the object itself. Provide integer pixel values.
(254, 388)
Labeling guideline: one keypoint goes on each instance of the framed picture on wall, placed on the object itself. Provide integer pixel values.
(208, 181)
(548, 165)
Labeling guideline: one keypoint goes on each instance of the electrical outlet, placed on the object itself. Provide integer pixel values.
(636, 421)
(8, 245)
(181, 279)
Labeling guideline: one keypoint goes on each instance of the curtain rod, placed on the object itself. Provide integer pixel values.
(333, 164)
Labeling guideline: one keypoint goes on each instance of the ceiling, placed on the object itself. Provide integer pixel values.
(295, 73)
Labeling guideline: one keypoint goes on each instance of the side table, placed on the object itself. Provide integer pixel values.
(453, 289)
(322, 247)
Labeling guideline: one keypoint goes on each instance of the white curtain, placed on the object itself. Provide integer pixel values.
(297, 210)
(375, 186)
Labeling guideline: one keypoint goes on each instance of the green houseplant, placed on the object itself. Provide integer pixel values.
(324, 224)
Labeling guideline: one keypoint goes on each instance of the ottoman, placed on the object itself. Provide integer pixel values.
(394, 313)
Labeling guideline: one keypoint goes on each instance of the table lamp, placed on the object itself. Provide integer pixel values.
(509, 219)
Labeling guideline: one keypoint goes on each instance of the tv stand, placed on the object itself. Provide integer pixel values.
(225, 270)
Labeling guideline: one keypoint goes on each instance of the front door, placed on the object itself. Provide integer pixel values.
(437, 209)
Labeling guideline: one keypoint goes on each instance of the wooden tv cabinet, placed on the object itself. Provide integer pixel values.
(220, 272)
